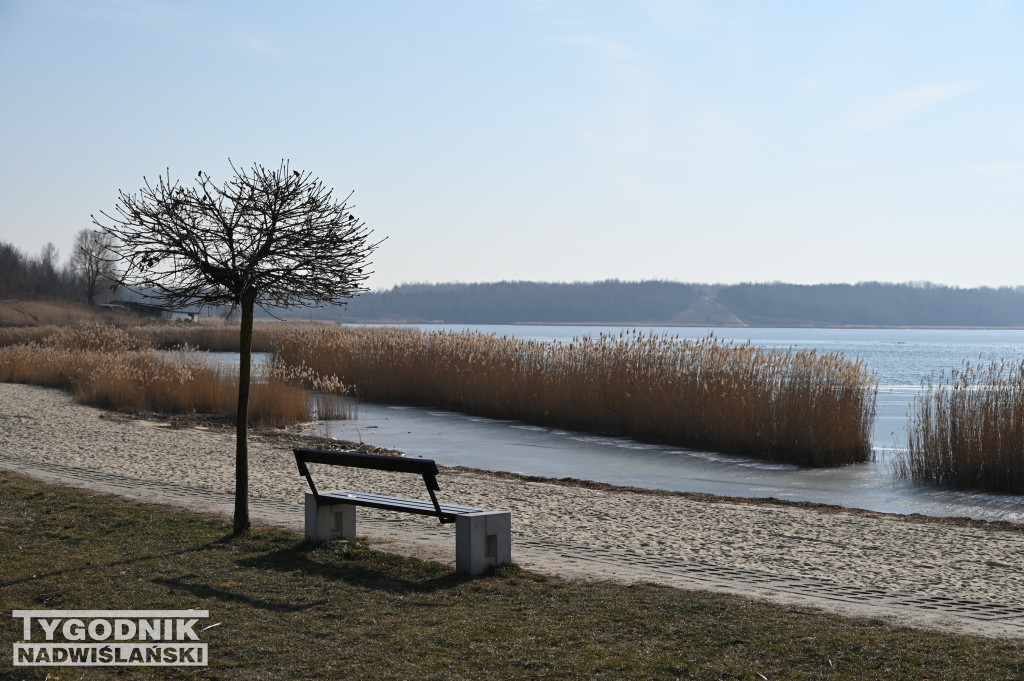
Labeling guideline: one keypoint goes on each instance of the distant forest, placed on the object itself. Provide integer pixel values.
(45, 276)
(517, 302)
(38, 277)
(661, 302)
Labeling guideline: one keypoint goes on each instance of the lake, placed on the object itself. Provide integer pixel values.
(902, 358)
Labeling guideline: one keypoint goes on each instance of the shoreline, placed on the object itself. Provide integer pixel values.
(704, 497)
(292, 436)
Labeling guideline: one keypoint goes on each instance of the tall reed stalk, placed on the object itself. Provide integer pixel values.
(786, 405)
(967, 430)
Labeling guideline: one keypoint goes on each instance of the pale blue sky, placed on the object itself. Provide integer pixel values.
(553, 140)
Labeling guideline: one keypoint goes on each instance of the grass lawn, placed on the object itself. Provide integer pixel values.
(289, 609)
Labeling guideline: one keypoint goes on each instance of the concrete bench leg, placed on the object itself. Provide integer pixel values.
(337, 521)
(482, 541)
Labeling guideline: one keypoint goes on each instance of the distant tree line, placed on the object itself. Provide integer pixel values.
(85, 276)
(661, 302)
(510, 302)
(873, 304)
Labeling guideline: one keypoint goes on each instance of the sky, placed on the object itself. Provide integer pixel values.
(549, 140)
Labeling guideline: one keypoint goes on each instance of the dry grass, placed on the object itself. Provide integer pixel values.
(118, 368)
(800, 407)
(21, 313)
(212, 335)
(294, 610)
(218, 336)
(967, 431)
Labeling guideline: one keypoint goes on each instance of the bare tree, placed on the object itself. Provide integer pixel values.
(92, 261)
(13, 271)
(273, 238)
(46, 272)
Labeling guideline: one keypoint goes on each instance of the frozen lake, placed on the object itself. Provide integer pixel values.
(901, 357)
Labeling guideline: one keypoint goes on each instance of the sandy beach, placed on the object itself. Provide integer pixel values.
(860, 552)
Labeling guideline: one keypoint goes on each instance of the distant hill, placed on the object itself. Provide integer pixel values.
(674, 303)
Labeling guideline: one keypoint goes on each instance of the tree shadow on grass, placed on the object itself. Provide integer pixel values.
(192, 584)
(95, 566)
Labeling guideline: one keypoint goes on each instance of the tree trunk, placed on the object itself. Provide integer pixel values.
(241, 520)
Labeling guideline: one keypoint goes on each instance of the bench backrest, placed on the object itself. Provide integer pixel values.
(398, 464)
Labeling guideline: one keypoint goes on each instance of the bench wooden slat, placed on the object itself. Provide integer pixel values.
(386, 502)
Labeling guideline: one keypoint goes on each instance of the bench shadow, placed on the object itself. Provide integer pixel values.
(384, 575)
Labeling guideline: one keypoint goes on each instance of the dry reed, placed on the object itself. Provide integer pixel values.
(967, 430)
(785, 405)
(795, 406)
(119, 368)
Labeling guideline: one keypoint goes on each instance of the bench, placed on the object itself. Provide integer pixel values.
(483, 538)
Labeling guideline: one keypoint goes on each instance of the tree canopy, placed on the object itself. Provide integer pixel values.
(274, 238)
(278, 235)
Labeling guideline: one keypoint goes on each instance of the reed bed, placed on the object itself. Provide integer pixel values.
(783, 405)
(967, 430)
(118, 368)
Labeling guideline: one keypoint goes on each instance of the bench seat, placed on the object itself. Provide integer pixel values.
(419, 506)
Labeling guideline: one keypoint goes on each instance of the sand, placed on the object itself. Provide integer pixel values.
(827, 558)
